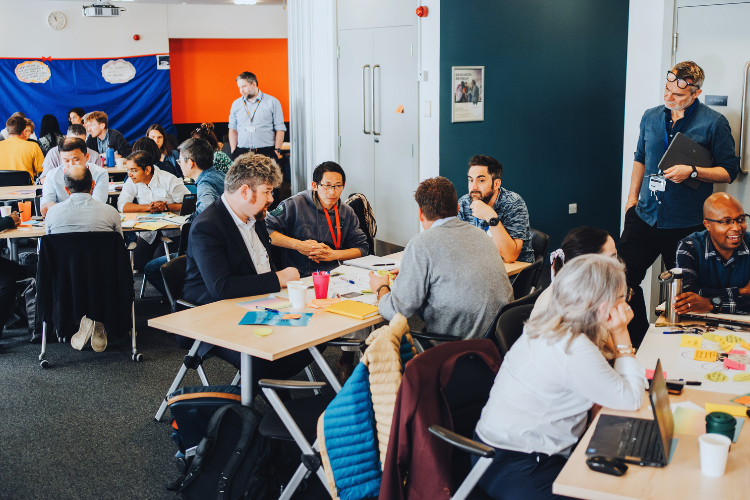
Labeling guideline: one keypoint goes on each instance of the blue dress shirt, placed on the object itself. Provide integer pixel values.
(267, 119)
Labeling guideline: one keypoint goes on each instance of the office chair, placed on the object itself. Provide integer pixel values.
(181, 250)
(540, 245)
(528, 278)
(15, 178)
(510, 327)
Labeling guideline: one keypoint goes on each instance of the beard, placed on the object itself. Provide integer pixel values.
(262, 214)
(477, 195)
(675, 107)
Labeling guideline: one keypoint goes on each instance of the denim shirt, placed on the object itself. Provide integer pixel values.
(678, 205)
(210, 187)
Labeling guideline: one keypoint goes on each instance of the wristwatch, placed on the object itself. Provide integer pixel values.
(382, 286)
(716, 303)
(694, 173)
(493, 221)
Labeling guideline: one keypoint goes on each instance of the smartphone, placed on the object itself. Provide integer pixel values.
(351, 295)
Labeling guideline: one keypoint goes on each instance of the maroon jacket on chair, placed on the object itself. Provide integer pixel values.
(412, 451)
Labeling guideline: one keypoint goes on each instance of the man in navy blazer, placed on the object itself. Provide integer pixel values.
(228, 254)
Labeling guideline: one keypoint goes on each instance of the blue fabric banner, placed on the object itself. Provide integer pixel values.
(131, 106)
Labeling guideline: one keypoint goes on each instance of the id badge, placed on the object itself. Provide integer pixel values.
(250, 129)
(657, 184)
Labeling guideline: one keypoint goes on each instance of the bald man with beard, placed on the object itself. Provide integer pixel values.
(716, 262)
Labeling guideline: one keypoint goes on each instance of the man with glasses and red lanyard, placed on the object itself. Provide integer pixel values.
(660, 210)
(256, 121)
(716, 262)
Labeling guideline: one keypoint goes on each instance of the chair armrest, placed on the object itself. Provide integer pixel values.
(434, 336)
(164, 239)
(344, 343)
(289, 384)
(185, 303)
(462, 443)
(132, 246)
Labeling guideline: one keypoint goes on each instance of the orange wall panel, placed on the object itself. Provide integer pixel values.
(204, 72)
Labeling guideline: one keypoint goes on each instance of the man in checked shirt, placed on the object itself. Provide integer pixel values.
(716, 262)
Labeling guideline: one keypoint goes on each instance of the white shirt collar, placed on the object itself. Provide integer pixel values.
(250, 221)
(440, 222)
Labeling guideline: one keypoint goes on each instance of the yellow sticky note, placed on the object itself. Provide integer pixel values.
(263, 332)
(726, 346)
(711, 337)
(735, 411)
(733, 338)
(741, 377)
(690, 341)
(716, 377)
(704, 355)
(400, 109)
(745, 345)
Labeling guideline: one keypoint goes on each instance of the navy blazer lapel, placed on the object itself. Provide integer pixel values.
(262, 232)
(234, 232)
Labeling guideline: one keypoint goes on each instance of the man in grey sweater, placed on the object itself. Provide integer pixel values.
(458, 287)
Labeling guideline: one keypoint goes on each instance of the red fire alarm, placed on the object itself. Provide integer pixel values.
(136, 37)
(422, 11)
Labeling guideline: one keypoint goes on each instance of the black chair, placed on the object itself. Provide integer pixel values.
(539, 242)
(357, 202)
(528, 278)
(15, 178)
(510, 327)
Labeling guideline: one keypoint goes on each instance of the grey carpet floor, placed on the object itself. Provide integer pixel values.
(84, 428)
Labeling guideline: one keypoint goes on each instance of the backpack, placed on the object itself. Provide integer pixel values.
(358, 202)
(233, 461)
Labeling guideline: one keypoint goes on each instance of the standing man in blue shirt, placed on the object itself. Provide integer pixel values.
(256, 121)
(660, 210)
(500, 213)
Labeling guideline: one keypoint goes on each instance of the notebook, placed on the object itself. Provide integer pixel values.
(373, 263)
(685, 151)
(356, 310)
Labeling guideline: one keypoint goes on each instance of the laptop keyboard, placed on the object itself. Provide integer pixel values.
(643, 441)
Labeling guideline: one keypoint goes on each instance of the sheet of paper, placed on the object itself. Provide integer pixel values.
(129, 223)
(704, 355)
(736, 411)
(150, 226)
(691, 341)
(690, 422)
(175, 219)
(742, 400)
(269, 302)
(271, 318)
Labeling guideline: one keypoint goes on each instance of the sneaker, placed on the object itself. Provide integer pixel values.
(79, 340)
(99, 338)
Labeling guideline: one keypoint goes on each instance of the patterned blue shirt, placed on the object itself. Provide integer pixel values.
(103, 144)
(513, 215)
(210, 187)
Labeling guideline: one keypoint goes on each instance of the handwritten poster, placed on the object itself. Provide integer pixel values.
(118, 71)
(33, 72)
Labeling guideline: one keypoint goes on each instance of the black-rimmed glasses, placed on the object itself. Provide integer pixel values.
(681, 82)
(741, 221)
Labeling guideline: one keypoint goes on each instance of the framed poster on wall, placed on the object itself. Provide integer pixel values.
(467, 94)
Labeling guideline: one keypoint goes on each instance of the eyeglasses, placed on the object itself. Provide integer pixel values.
(628, 295)
(133, 170)
(681, 83)
(741, 221)
(329, 187)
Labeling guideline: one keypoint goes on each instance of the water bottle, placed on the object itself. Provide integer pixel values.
(110, 158)
(673, 280)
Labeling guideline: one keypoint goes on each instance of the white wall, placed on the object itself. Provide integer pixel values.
(24, 31)
(429, 90)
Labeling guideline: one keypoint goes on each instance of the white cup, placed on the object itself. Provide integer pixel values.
(120, 162)
(5, 211)
(297, 295)
(294, 283)
(714, 451)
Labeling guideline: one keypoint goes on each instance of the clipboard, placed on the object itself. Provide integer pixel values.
(685, 151)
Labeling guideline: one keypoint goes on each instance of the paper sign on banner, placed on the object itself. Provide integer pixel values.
(734, 365)
(704, 355)
(33, 72)
(690, 341)
(118, 71)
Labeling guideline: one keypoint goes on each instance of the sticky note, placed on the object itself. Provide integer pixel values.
(716, 377)
(735, 411)
(704, 355)
(711, 337)
(734, 365)
(650, 374)
(745, 345)
(743, 400)
(263, 332)
(400, 109)
(691, 341)
(726, 346)
(291, 316)
(737, 351)
(741, 377)
(733, 338)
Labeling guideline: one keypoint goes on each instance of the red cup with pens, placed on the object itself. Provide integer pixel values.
(320, 280)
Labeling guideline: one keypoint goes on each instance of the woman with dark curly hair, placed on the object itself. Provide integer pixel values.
(222, 162)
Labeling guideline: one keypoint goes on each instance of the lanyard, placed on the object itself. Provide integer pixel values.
(666, 125)
(256, 107)
(336, 243)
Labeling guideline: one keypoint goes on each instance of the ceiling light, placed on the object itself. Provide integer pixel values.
(245, 2)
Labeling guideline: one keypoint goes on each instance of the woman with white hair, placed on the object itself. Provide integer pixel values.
(554, 374)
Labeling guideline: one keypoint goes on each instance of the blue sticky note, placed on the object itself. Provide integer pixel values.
(272, 318)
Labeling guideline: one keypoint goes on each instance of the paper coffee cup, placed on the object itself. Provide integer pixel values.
(297, 295)
(5, 211)
(714, 449)
(295, 283)
(120, 162)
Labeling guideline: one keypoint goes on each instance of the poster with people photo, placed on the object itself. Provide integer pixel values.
(467, 94)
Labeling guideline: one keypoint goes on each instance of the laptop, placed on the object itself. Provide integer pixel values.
(188, 204)
(685, 151)
(637, 440)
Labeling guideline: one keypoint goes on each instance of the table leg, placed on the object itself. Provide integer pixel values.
(325, 368)
(246, 374)
(13, 246)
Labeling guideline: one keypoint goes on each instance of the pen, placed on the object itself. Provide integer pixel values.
(349, 281)
(267, 309)
(391, 264)
(692, 382)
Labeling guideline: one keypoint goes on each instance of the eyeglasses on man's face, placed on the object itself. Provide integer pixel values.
(681, 82)
(331, 187)
(741, 221)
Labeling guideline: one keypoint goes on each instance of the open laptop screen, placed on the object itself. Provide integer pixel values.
(662, 412)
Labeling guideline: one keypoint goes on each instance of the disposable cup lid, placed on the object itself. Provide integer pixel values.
(720, 418)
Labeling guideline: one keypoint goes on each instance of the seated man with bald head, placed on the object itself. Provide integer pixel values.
(80, 212)
(716, 262)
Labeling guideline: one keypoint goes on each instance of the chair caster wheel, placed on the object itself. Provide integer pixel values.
(63, 340)
(137, 357)
(44, 363)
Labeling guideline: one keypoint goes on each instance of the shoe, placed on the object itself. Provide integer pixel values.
(78, 341)
(344, 372)
(99, 338)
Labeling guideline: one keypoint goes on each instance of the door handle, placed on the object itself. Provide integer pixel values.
(742, 121)
(364, 101)
(373, 99)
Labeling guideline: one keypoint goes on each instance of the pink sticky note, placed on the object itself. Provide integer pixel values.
(733, 365)
(737, 351)
(650, 374)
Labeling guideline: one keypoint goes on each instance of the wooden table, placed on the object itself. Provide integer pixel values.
(30, 192)
(512, 269)
(680, 480)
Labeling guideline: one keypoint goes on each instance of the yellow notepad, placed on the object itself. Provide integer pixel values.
(353, 309)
